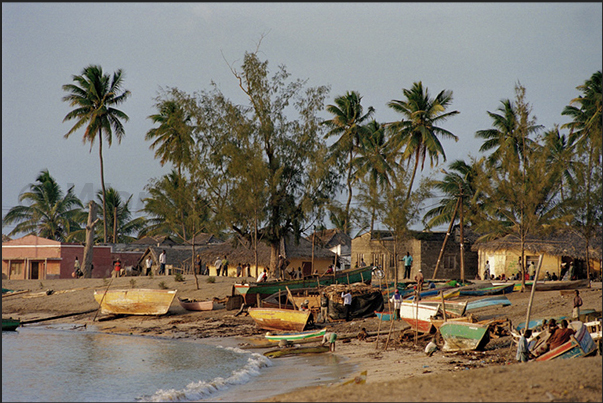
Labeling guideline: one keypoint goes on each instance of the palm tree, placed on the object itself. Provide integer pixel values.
(167, 207)
(419, 133)
(459, 178)
(504, 134)
(94, 96)
(560, 153)
(50, 214)
(374, 165)
(348, 117)
(173, 139)
(119, 215)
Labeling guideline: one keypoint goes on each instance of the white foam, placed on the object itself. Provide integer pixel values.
(195, 391)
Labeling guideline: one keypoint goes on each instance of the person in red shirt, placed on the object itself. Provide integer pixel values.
(561, 335)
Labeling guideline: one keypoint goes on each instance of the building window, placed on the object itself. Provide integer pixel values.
(449, 262)
(16, 268)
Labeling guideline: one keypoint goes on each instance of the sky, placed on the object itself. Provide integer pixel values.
(479, 51)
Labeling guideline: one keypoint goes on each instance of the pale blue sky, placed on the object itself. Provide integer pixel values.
(477, 50)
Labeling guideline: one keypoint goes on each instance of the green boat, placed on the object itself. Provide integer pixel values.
(10, 324)
(464, 336)
(250, 291)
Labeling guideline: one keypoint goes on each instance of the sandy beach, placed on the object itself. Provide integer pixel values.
(402, 372)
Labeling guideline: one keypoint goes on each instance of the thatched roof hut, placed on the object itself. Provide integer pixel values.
(567, 244)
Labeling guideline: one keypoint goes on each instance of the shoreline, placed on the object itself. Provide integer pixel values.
(448, 376)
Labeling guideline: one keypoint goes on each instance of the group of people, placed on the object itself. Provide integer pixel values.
(551, 336)
(529, 274)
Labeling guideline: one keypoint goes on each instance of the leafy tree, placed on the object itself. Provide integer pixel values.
(347, 123)
(50, 214)
(561, 153)
(520, 189)
(293, 183)
(94, 96)
(118, 214)
(418, 132)
(585, 127)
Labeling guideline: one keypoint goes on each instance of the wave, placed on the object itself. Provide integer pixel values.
(196, 391)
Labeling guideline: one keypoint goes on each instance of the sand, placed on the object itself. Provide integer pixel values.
(402, 372)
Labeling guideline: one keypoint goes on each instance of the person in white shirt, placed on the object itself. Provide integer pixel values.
(162, 262)
(397, 300)
(347, 304)
(262, 277)
(149, 263)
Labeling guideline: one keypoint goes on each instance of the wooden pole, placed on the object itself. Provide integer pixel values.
(101, 301)
(462, 240)
(378, 330)
(417, 315)
(435, 272)
(532, 293)
(291, 298)
(443, 305)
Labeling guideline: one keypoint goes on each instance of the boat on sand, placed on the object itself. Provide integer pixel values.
(280, 319)
(134, 301)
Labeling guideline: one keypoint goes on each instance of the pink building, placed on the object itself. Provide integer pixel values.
(33, 257)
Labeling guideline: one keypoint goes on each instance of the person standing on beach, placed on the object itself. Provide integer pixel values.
(523, 352)
(407, 263)
(487, 270)
(149, 264)
(162, 262)
(117, 268)
(225, 267)
(218, 264)
(324, 307)
(577, 305)
(347, 304)
(198, 265)
(239, 270)
(419, 279)
(397, 300)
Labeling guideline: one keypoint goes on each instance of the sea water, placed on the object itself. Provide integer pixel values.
(67, 363)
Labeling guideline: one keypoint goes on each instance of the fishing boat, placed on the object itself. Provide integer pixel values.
(494, 290)
(488, 301)
(195, 305)
(559, 285)
(419, 315)
(282, 299)
(135, 301)
(463, 336)
(280, 319)
(307, 335)
(250, 291)
(580, 344)
(10, 324)
(385, 316)
(281, 352)
(453, 308)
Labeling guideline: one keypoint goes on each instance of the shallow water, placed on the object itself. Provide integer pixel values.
(60, 363)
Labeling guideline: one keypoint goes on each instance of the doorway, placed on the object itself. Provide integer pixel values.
(35, 270)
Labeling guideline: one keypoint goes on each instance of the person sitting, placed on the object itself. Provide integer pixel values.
(329, 270)
(262, 277)
(547, 276)
(561, 336)
(299, 273)
(554, 277)
(304, 306)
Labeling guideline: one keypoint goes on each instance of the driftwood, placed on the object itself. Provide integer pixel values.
(10, 294)
(57, 317)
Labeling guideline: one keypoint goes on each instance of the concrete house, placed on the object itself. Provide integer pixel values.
(37, 258)
(424, 247)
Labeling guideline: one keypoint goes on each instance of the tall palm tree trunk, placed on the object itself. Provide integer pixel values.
(414, 172)
(346, 224)
(102, 170)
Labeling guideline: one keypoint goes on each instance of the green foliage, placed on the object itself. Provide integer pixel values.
(178, 277)
(118, 213)
(50, 213)
(162, 285)
(211, 280)
(94, 96)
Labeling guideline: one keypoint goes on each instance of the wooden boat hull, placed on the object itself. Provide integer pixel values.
(10, 324)
(463, 336)
(419, 318)
(559, 285)
(299, 296)
(135, 301)
(501, 289)
(265, 289)
(453, 308)
(580, 344)
(488, 301)
(308, 335)
(280, 319)
(281, 352)
(192, 305)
